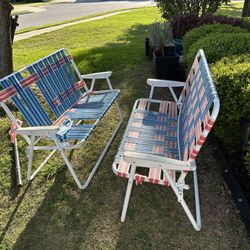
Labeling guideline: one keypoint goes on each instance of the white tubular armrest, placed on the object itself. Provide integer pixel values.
(38, 131)
(164, 83)
(146, 160)
(99, 75)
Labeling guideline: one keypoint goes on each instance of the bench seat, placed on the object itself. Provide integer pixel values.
(149, 132)
(93, 107)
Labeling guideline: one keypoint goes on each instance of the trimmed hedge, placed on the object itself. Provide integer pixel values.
(219, 45)
(195, 34)
(232, 79)
(246, 21)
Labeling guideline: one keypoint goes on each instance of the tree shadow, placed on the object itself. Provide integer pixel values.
(230, 10)
(13, 214)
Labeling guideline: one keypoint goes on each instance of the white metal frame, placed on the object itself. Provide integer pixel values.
(33, 135)
(147, 161)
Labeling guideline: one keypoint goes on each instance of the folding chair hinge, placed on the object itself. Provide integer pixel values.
(179, 105)
(182, 186)
(192, 165)
(185, 186)
(180, 196)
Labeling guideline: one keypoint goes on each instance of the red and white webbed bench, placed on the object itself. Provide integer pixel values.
(167, 142)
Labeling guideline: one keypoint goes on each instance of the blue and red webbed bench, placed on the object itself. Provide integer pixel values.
(49, 96)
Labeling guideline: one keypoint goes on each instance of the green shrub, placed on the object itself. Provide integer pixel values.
(232, 79)
(246, 21)
(219, 45)
(197, 33)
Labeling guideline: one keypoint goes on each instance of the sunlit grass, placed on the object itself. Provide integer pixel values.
(233, 9)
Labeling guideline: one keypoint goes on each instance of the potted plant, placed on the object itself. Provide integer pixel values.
(166, 60)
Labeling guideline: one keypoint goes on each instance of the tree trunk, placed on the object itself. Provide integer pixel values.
(246, 8)
(6, 65)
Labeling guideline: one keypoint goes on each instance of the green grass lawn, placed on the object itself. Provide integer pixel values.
(52, 213)
(68, 21)
(233, 9)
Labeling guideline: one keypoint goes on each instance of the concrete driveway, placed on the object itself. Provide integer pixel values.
(70, 9)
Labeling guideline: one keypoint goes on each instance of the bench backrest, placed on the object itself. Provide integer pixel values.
(56, 77)
(199, 110)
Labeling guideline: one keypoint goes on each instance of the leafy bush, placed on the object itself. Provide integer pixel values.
(197, 33)
(182, 24)
(218, 46)
(246, 21)
(232, 79)
(170, 8)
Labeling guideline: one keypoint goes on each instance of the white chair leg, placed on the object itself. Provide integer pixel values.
(66, 160)
(30, 156)
(128, 193)
(197, 200)
(196, 223)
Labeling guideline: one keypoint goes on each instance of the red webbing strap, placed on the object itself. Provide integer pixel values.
(12, 132)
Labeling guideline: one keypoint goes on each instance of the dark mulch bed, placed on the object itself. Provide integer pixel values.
(236, 178)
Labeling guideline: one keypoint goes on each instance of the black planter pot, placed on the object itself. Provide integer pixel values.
(167, 67)
(169, 50)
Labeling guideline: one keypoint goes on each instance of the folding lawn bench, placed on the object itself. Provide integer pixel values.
(167, 141)
(47, 94)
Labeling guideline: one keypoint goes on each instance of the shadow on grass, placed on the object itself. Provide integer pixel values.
(13, 214)
(231, 10)
(66, 216)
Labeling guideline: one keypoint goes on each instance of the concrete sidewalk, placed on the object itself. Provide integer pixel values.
(53, 28)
